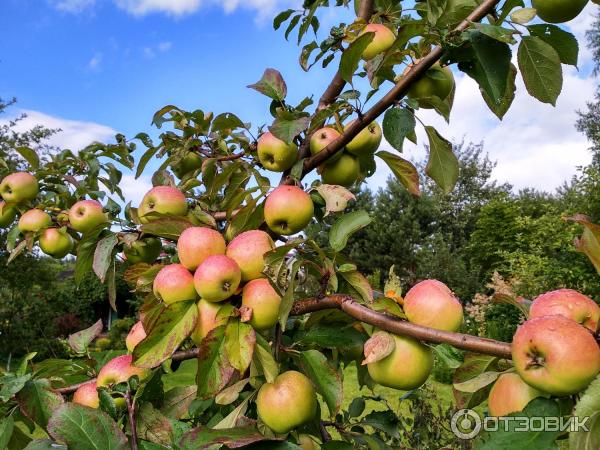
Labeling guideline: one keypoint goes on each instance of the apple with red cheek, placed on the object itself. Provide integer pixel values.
(568, 303)
(432, 304)
(247, 249)
(174, 283)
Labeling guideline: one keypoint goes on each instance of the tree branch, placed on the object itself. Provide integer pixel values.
(132, 420)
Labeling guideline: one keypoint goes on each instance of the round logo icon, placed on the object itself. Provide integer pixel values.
(465, 424)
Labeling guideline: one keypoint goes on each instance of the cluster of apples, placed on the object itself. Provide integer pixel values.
(19, 189)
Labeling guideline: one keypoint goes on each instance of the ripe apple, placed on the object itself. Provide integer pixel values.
(86, 215)
(367, 141)
(34, 220)
(430, 303)
(207, 319)
(247, 249)
(558, 11)
(287, 403)
(174, 283)
(275, 154)
(19, 187)
(118, 370)
(7, 214)
(288, 210)
(190, 162)
(144, 250)
(87, 395)
(438, 82)
(343, 172)
(164, 200)
(555, 355)
(321, 139)
(198, 243)
(136, 335)
(264, 301)
(217, 278)
(568, 303)
(56, 242)
(384, 38)
(406, 368)
(510, 394)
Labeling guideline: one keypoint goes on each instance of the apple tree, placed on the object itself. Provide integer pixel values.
(247, 326)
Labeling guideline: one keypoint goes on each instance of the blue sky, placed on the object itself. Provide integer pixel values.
(95, 67)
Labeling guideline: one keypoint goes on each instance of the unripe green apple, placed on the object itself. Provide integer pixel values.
(384, 38)
(510, 394)
(136, 335)
(288, 210)
(87, 395)
(555, 355)
(174, 283)
(247, 249)
(287, 403)
(190, 162)
(118, 370)
(56, 242)
(86, 215)
(217, 278)
(307, 442)
(8, 214)
(264, 301)
(558, 11)
(144, 250)
(343, 172)
(19, 187)
(198, 243)
(438, 82)
(430, 303)
(321, 139)
(568, 303)
(367, 141)
(275, 154)
(207, 320)
(406, 368)
(34, 220)
(164, 200)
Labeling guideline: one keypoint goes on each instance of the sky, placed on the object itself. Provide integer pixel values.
(97, 67)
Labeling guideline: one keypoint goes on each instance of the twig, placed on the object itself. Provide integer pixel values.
(132, 423)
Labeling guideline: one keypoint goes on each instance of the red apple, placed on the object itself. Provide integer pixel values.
(165, 200)
(275, 154)
(7, 214)
(510, 394)
(198, 243)
(288, 210)
(568, 303)
(56, 242)
(247, 250)
(430, 303)
(207, 319)
(19, 187)
(87, 395)
(321, 139)
(174, 283)
(217, 278)
(136, 335)
(34, 220)
(384, 38)
(264, 301)
(85, 215)
(118, 370)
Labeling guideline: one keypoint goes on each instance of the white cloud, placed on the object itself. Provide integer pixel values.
(164, 46)
(94, 63)
(73, 6)
(171, 7)
(134, 190)
(161, 47)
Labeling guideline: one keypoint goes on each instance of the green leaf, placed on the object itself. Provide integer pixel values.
(502, 107)
(478, 383)
(589, 243)
(326, 378)
(144, 160)
(345, 226)
(84, 428)
(473, 366)
(103, 256)
(562, 41)
(6, 429)
(523, 15)
(167, 227)
(44, 444)
(496, 32)
(588, 406)
(449, 356)
(352, 56)
(38, 401)
(214, 368)
(404, 170)
(172, 327)
(287, 299)
(332, 336)
(271, 84)
(540, 68)
(10, 385)
(398, 123)
(226, 121)
(240, 339)
(282, 17)
(442, 165)
(80, 341)
(435, 10)
(177, 401)
(30, 156)
(153, 426)
(286, 127)
(359, 283)
(204, 438)
(264, 360)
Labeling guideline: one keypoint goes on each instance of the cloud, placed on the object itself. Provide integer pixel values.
(135, 189)
(73, 6)
(161, 47)
(95, 62)
(171, 7)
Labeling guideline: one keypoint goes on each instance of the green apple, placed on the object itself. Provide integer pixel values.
(287, 403)
(87, 395)
(7, 214)
(321, 139)
(367, 141)
(307, 442)
(430, 303)
(438, 82)
(198, 243)
(343, 172)
(382, 41)
(510, 394)
(247, 249)
(34, 220)
(568, 303)
(264, 301)
(144, 250)
(86, 215)
(558, 11)
(136, 335)
(165, 200)
(276, 155)
(190, 162)
(217, 278)
(288, 210)
(406, 368)
(56, 242)
(118, 370)
(19, 187)
(174, 283)
(207, 319)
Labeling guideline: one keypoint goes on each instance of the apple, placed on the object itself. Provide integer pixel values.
(198, 243)
(7, 214)
(85, 215)
(555, 355)
(174, 283)
(288, 210)
(558, 11)
(144, 250)
(34, 220)
(568, 303)
(275, 154)
(510, 394)
(321, 139)
(119, 370)
(367, 141)
(164, 200)
(136, 335)
(56, 242)
(87, 395)
(306, 442)
(217, 278)
(287, 403)
(247, 249)
(19, 187)
(264, 301)
(438, 82)
(207, 320)
(406, 368)
(430, 303)
(343, 172)
(190, 162)
(382, 41)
